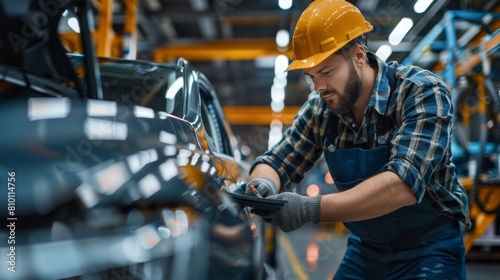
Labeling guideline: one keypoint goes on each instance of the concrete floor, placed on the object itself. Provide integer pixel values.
(315, 252)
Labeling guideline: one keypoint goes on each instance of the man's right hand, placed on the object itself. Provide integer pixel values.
(264, 186)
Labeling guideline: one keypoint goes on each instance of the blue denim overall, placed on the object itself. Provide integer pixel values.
(384, 247)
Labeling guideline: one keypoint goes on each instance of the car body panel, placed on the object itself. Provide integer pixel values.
(85, 159)
(117, 165)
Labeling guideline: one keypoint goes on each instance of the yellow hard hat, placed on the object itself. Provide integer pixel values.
(324, 27)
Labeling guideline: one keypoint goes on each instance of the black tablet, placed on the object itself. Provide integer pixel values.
(268, 204)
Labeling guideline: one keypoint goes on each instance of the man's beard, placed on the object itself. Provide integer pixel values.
(352, 92)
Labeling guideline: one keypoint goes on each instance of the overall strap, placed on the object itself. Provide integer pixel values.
(331, 131)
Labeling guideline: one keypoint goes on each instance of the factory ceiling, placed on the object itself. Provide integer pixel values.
(233, 42)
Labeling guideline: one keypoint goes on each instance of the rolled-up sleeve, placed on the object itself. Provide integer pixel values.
(421, 142)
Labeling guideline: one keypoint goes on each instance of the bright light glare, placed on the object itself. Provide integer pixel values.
(101, 108)
(285, 4)
(182, 221)
(41, 108)
(86, 193)
(147, 237)
(277, 106)
(168, 138)
(312, 190)
(112, 177)
(143, 112)
(149, 185)
(282, 38)
(204, 167)
(312, 255)
(280, 81)
(174, 88)
(97, 129)
(328, 178)
(275, 134)
(138, 160)
(384, 51)
(169, 150)
(276, 124)
(280, 64)
(73, 23)
(277, 94)
(168, 170)
(421, 6)
(400, 31)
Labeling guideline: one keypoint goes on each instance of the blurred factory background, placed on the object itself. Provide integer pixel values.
(243, 46)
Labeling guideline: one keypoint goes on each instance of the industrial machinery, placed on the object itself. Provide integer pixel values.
(462, 48)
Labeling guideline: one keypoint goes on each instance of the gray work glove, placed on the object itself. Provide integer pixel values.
(298, 211)
(264, 186)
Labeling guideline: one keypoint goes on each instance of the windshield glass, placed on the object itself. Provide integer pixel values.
(156, 86)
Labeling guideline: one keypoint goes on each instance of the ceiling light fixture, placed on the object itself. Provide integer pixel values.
(277, 93)
(282, 38)
(285, 4)
(276, 127)
(400, 31)
(73, 23)
(280, 80)
(384, 51)
(280, 64)
(421, 6)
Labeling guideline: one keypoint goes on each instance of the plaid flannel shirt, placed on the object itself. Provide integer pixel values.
(418, 116)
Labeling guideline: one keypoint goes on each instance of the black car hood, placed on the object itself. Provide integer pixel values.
(94, 152)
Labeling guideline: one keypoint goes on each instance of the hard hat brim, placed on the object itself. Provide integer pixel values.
(310, 61)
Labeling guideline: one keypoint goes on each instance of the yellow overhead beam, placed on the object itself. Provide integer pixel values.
(258, 115)
(104, 32)
(107, 42)
(234, 49)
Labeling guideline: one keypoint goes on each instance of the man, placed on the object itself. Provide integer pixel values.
(384, 130)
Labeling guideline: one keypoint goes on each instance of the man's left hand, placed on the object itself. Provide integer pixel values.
(298, 211)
